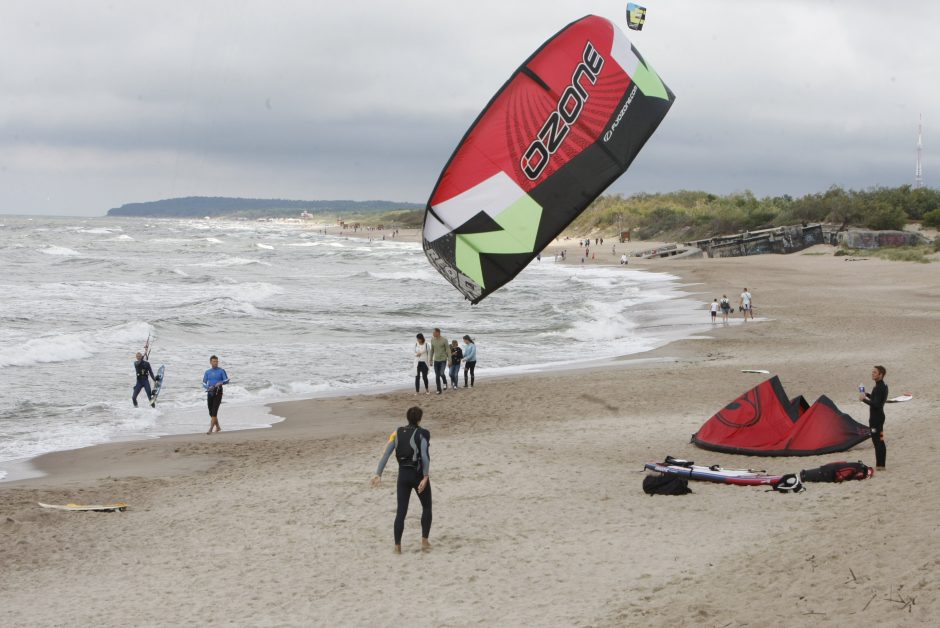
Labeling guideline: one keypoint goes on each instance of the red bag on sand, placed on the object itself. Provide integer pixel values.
(838, 472)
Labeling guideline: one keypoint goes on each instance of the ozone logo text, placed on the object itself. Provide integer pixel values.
(566, 113)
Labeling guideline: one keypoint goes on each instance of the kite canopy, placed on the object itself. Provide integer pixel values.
(567, 123)
(763, 422)
(636, 16)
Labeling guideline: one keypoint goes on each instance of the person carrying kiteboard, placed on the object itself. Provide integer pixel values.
(144, 375)
(410, 444)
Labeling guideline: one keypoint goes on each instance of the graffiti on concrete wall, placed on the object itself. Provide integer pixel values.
(868, 239)
(779, 240)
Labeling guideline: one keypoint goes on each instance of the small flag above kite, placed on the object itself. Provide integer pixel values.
(636, 16)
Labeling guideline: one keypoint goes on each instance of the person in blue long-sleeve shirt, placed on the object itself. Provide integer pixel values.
(212, 382)
(470, 360)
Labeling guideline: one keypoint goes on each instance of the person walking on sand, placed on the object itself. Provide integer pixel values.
(456, 356)
(470, 360)
(144, 375)
(725, 308)
(422, 356)
(212, 382)
(746, 305)
(410, 444)
(876, 413)
(715, 311)
(440, 357)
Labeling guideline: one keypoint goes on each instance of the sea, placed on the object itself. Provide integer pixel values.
(290, 311)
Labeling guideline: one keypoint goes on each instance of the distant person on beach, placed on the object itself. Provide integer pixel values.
(876, 413)
(144, 375)
(746, 305)
(715, 311)
(725, 308)
(440, 356)
(623, 259)
(422, 357)
(410, 444)
(470, 360)
(212, 381)
(456, 356)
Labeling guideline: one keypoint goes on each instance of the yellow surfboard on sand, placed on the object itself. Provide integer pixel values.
(117, 506)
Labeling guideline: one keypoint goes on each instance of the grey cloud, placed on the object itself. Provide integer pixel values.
(117, 102)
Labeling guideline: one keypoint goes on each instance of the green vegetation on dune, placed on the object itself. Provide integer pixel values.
(402, 218)
(690, 215)
(921, 254)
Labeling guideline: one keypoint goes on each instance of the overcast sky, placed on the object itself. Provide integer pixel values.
(105, 103)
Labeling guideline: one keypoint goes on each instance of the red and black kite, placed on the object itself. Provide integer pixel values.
(765, 422)
(568, 122)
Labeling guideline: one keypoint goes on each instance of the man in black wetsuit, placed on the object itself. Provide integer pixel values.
(876, 413)
(144, 375)
(410, 444)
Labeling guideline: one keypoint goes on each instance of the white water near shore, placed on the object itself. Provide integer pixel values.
(292, 314)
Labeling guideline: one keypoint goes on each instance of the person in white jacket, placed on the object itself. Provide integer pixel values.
(421, 356)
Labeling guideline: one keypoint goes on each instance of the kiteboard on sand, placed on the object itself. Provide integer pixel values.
(901, 398)
(761, 371)
(743, 477)
(158, 386)
(117, 506)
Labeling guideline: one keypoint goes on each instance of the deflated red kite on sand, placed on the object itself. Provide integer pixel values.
(765, 422)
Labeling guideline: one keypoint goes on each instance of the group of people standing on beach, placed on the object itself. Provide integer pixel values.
(745, 306)
(445, 358)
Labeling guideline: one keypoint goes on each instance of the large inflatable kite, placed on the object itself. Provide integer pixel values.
(567, 123)
(764, 422)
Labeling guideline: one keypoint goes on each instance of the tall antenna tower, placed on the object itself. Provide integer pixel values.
(919, 165)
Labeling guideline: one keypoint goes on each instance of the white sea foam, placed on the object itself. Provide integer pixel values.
(425, 275)
(265, 246)
(59, 250)
(258, 291)
(227, 261)
(71, 346)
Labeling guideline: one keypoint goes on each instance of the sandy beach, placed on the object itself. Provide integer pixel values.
(539, 516)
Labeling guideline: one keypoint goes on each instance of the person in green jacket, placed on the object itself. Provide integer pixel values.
(440, 357)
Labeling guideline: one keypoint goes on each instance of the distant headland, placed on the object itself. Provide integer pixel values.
(199, 206)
